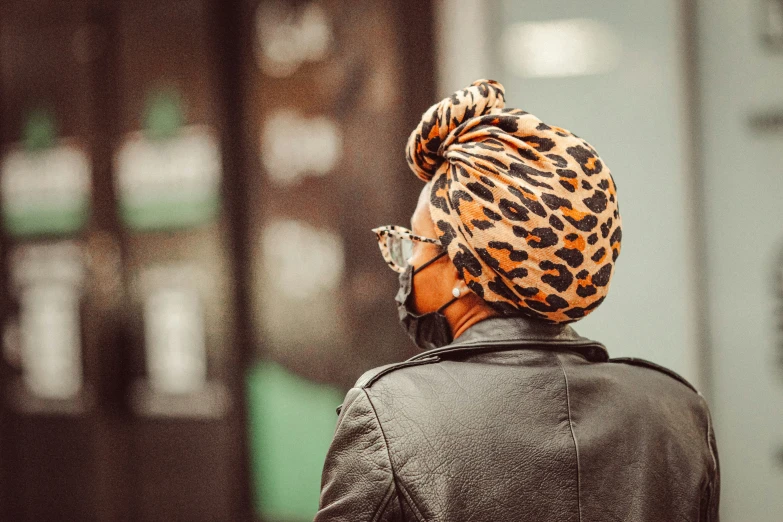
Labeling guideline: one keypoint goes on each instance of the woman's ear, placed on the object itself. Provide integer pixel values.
(460, 287)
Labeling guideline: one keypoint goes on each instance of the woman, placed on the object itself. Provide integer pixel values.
(509, 414)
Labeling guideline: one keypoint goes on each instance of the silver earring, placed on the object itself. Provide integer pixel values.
(456, 293)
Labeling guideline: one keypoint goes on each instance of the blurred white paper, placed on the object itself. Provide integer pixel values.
(175, 345)
(48, 280)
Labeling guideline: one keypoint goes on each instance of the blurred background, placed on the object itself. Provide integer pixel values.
(188, 283)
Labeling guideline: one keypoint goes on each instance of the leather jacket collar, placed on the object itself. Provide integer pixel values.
(506, 333)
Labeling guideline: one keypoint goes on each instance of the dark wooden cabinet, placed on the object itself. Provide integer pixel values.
(121, 450)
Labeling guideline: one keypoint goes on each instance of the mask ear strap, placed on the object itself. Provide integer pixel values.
(428, 263)
(440, 310)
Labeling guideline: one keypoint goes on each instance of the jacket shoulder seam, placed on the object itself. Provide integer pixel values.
(636, 361)
(372, 376)
(386, 445)
(340, 410)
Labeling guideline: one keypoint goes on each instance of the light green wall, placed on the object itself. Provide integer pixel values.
(744, 219)
(635, 117)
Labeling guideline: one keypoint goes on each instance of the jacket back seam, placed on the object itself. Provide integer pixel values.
(573, 436)
(388, 453)
(411, 503)
(385, 502)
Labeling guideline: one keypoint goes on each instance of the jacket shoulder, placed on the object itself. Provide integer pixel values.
(635, 361)
(369, 377)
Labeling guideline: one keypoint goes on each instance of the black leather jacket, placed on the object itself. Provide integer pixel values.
(521, 421)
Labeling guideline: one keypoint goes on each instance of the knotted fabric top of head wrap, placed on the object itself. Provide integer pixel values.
(528, 212)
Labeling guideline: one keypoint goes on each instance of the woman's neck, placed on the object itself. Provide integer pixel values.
(466, 312)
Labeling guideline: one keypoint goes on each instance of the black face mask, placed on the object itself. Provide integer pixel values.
(430, 330)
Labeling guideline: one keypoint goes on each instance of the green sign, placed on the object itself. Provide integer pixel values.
(291, 423)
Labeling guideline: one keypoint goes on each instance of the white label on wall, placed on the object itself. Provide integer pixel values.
(293, 146)
(299, 271)
(169, 183)
(175, 345)
(50, 340)
(48, 280)
(288, 36)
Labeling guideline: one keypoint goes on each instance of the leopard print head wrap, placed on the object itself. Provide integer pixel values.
(528, 212)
